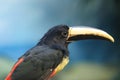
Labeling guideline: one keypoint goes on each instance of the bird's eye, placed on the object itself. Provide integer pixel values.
(64, 34)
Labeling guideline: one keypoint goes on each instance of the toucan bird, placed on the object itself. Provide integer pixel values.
(50, 55)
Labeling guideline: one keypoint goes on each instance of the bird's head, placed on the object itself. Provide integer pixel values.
(62, 35)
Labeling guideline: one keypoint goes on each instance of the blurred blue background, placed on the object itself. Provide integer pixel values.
(24, 22)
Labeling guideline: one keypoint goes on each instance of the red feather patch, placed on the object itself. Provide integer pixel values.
(14, 67)
(53, 73)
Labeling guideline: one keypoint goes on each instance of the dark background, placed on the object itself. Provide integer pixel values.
(24, 22)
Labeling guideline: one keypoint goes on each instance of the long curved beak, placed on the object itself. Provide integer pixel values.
(81, 33)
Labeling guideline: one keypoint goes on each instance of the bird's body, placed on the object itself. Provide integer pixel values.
(47, 58)
(43, 61)
(38, 63)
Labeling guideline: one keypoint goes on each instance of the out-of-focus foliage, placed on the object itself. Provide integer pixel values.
(89, 71)
(5, 65)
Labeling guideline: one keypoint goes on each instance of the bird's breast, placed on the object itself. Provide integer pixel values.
(62, 64)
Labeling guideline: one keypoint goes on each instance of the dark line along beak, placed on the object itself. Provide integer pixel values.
(82, 33)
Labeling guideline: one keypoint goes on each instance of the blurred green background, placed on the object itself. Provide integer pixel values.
(24, 22)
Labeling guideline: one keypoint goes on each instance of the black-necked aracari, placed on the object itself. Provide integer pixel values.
(50, 55)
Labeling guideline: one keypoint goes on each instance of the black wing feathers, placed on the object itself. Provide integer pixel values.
(38, 64)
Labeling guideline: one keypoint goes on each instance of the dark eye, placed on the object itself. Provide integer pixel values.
(64, 34)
